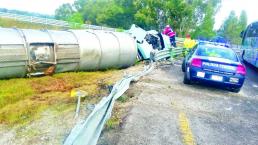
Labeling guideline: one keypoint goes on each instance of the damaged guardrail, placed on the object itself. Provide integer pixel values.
(165, 54)
(88, 132)
(161, 55)
(177, 51)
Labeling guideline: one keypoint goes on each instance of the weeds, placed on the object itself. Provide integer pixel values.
(123, 99)
(115, 119)
(112, 123)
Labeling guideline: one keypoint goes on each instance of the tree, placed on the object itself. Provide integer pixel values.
(64, 12)
(204, 17)
(179, 14)
(128, 12)
(113, 13)
(93, 8)
(76, 18)
(230, 28)
(185, 16)
(149, 13)
(112, 16)
(242, 21)
(79, 5)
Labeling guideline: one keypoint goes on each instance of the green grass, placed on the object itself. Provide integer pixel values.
(21, 111)
(112, 123)
(14, 90)
(22, 100)
(123, 99)
(115, 119)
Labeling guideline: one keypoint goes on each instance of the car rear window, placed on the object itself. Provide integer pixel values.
(216, 52)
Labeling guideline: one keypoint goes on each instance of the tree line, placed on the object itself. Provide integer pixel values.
(195, 17)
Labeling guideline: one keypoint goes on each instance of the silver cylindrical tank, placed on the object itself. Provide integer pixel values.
(67, 50)
(13, 54)
(29, 52)
(36, 36)
(110, 49)
(128, 49)
(90, 49)
(103, 49)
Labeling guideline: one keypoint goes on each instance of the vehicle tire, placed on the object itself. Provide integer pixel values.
(186, 80)
(183, 66)
(236, 90)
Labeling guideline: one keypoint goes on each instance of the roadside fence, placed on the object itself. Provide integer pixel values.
(52, 22)
(166, 54)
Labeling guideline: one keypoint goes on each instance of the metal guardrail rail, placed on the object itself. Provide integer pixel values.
(88, 132)
(52, 22)
(161, 55)
(171, 53)
(176, 52)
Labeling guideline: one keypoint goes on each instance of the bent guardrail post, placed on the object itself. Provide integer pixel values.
(79, 94)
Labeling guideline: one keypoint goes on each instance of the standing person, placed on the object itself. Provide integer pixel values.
(171, 34)
(188, 44)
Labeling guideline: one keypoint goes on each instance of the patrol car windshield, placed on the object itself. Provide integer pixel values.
(216, 52)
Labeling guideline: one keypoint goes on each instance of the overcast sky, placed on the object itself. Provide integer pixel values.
(49, 6)
(38, 6)
(250, 6)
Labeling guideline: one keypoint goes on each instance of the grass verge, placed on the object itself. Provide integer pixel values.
(21, 100)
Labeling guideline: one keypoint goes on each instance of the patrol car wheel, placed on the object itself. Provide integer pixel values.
(186, 80)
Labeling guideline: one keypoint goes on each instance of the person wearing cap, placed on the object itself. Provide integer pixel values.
(171, 34)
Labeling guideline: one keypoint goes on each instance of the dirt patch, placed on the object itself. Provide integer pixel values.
(51, 84)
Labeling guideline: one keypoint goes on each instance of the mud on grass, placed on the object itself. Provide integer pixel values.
(21, 100)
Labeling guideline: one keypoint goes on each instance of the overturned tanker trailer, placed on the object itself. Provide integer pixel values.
(26, 52)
